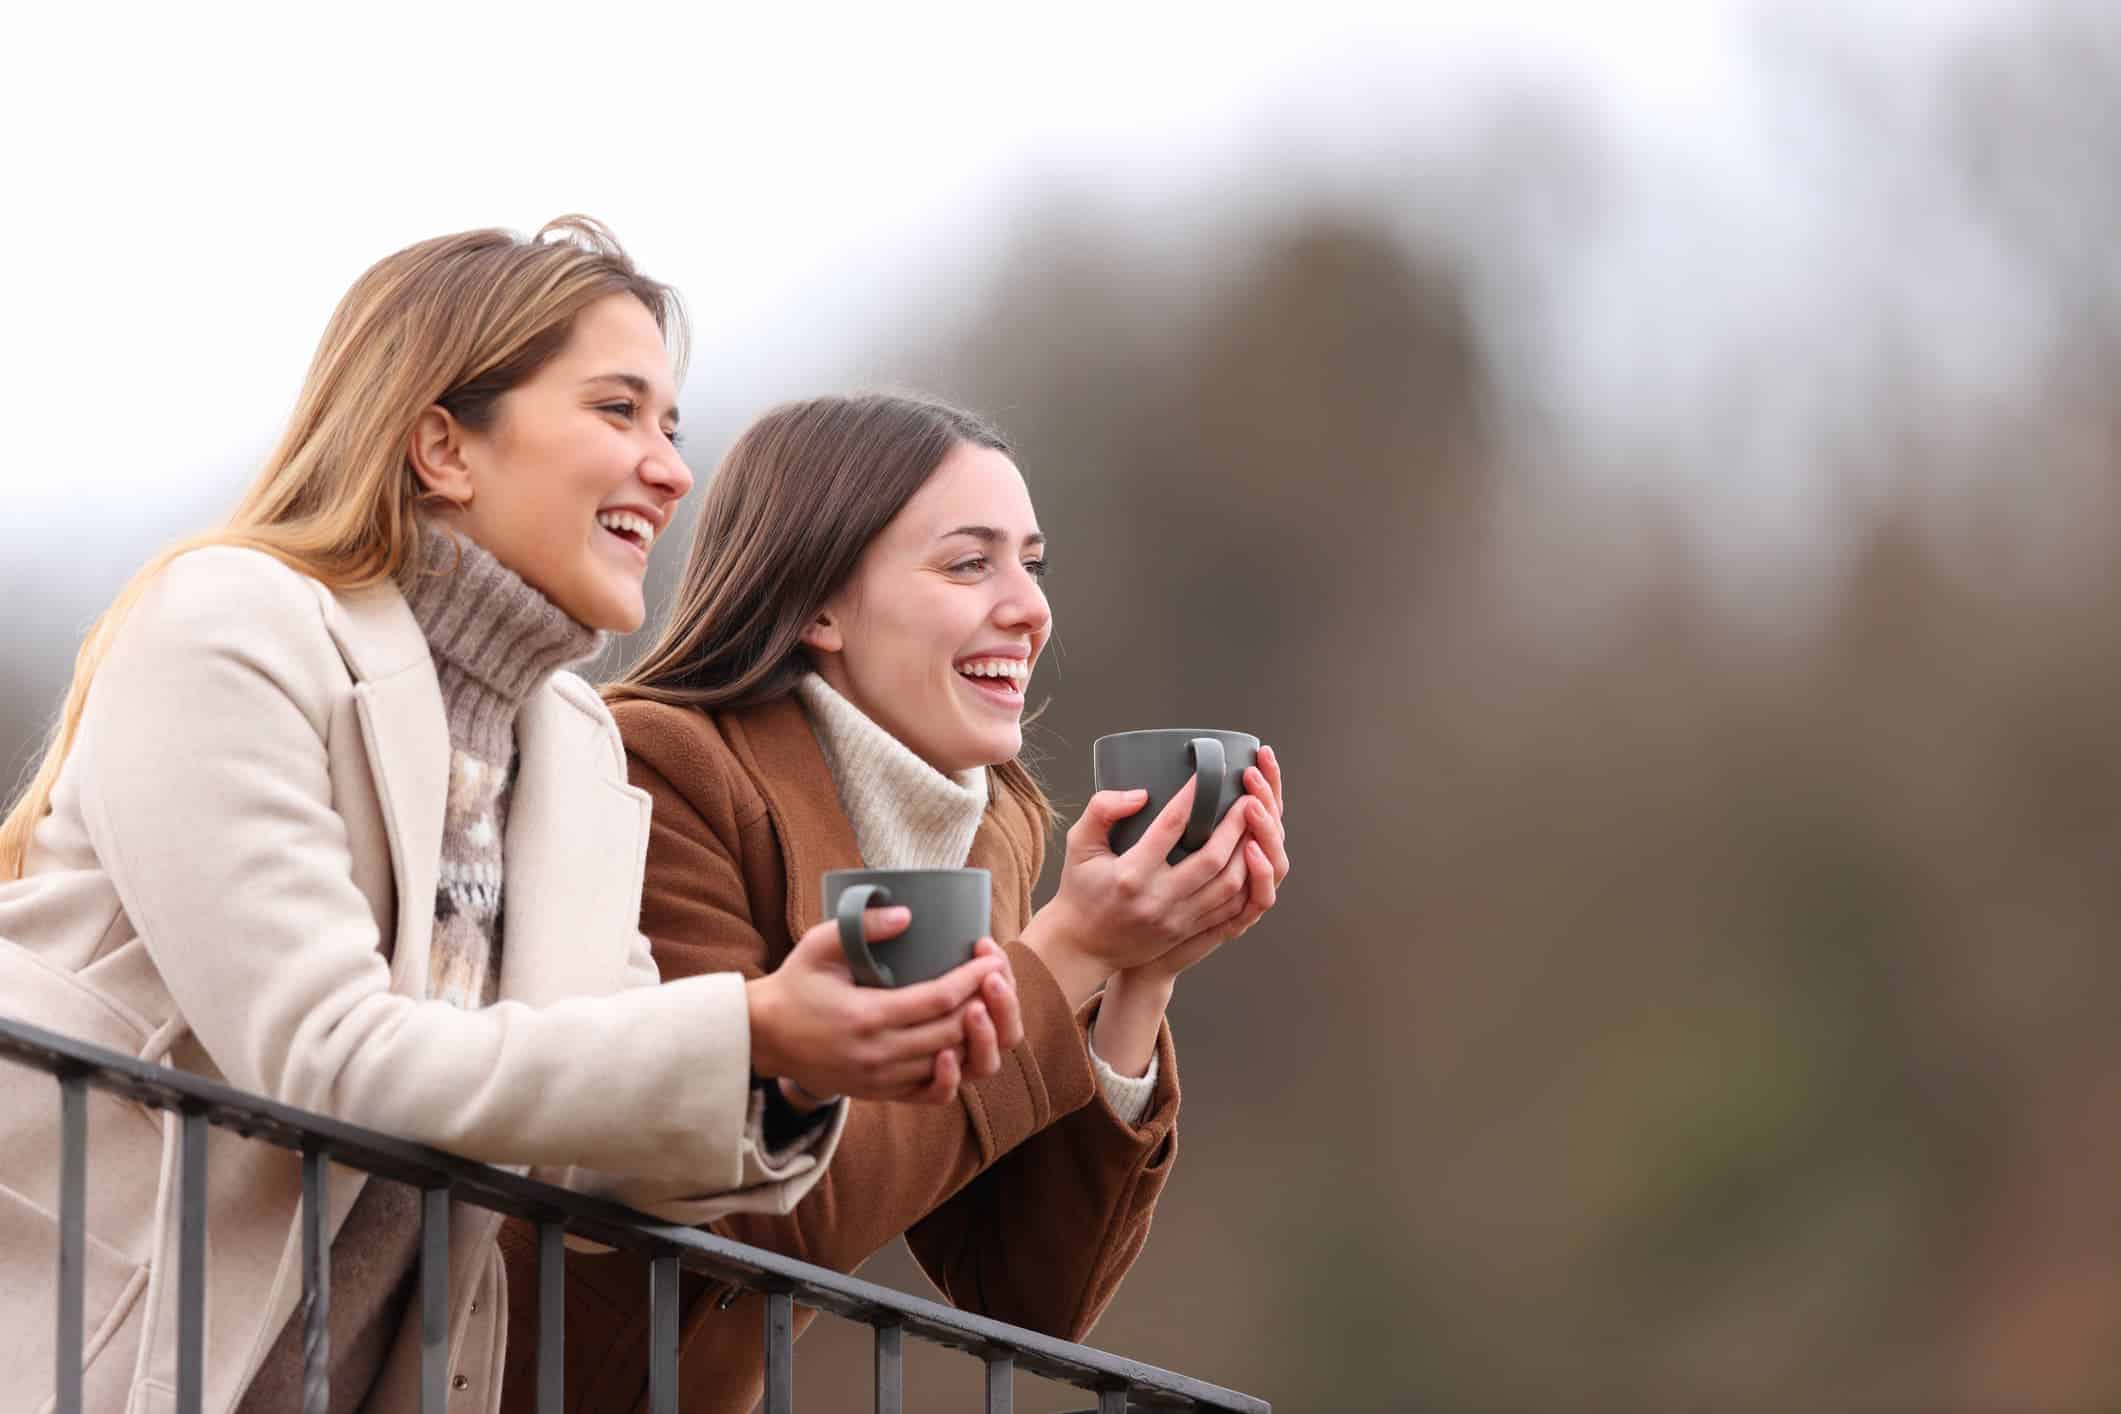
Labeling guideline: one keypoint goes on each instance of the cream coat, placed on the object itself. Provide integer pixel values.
(237, 878)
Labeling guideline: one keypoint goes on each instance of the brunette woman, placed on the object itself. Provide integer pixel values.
(841, 683)
(324, 820)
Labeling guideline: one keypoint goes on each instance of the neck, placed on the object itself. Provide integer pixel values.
(495, 640)
(905, 813)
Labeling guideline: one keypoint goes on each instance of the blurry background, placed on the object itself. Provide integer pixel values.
(1650, 468)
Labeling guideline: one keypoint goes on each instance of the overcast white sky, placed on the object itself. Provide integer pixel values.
(189, 189)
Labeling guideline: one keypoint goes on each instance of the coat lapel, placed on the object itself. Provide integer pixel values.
(998, 850)
(576, 846)
(779, 750)
(777, 747)
(406, 735)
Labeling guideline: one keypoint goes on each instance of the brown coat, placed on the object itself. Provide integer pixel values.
(1026, 1200)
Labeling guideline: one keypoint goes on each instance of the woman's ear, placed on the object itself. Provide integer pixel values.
(822, 633)
(437, 455)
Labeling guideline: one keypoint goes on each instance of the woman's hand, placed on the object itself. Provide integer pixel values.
(1253, 876)
(1118, 911)
(1132, 1010)
(994, 1024)
(811, 1024)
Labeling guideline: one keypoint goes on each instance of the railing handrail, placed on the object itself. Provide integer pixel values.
(613, 1224)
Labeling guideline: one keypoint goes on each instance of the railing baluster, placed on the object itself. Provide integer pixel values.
(890, 1369)
(663, 1334)
(780, 1353)
(191, 1267)
(73, 1241)
(552, 1318)
(1001, 1382)
(434, 1300)
(316, 1285)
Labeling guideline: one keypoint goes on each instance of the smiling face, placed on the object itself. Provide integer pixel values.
(936, 632)
(577, 472)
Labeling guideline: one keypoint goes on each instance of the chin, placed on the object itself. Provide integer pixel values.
(973, 755)
(996, 753)
(615, 614)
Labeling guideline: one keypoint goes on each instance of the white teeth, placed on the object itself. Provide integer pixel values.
(1015, 668)
(627, 523)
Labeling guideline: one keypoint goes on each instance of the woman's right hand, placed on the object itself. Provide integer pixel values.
(810, 1022)
(1116, 911)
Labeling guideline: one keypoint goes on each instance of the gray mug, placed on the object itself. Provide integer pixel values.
(1161, 762)
(951, 909)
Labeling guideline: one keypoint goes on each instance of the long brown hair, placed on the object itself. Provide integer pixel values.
(791, 508)
(455, 321)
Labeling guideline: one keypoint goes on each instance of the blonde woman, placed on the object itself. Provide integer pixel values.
(325, 819)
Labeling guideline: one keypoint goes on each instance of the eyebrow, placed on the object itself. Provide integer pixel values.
(633, 381)
(989, 535)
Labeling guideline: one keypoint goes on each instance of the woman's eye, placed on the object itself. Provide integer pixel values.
(623, 408)
(971, 566)
(677, 438)
(1037, 569)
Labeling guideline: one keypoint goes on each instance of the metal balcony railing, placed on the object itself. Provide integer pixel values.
(1119, 1384)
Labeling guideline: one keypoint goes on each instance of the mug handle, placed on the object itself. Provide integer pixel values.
(868, 972)
(1207, 791)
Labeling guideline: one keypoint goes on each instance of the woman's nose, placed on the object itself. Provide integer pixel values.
(1027, 608)
(666, 471)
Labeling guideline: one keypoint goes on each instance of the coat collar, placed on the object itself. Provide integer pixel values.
(778, 750)
(577, 833)
(403, 726)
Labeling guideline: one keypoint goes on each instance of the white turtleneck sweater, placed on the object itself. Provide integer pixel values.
(908, 815)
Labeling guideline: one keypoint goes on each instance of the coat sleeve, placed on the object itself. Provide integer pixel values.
(1043, 1236)
(203, 767)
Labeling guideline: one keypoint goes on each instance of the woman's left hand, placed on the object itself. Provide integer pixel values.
(994, 1021)
(994, 1026)
(1262, 863)
(1132, 1011)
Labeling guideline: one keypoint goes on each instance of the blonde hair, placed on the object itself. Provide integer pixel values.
(455, 321)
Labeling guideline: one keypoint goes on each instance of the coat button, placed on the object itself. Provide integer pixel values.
(474, 1308)
(459, 1383)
